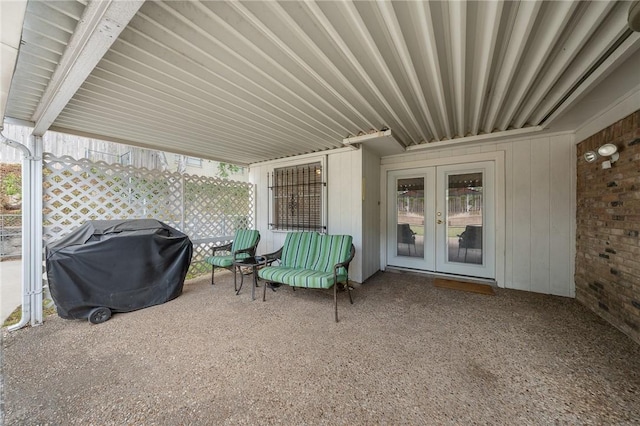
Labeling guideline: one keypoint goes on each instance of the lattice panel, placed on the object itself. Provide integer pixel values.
(208, 210)
(213, 210)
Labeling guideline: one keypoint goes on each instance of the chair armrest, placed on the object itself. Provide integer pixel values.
(249, 250)
(346, 263)
(272, 257)
(224, 247)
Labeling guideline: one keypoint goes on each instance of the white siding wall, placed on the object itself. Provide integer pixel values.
(539, 217)
(539, 209)
(344, 201)
(344, 188)
(370, 213)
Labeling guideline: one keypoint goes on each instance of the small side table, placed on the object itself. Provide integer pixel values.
(252, 262)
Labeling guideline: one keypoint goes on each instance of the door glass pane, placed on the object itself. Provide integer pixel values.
(464, 218)
(410, 217)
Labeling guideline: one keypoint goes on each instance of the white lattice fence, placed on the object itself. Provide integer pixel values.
(208, 210)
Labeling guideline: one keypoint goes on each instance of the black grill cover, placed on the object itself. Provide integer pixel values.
(123, 265)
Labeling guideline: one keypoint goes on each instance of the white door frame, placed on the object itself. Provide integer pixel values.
(498, 157)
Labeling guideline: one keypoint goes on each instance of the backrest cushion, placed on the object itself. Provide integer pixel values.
(299, 250)
(244, 239)
(332, 249)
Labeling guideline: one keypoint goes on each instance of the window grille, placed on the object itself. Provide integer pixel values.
(297, 193)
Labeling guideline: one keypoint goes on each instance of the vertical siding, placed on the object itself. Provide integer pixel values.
(508, 216)
(521, 205)
(539, 218)
(344, 198)
(258, 176)
(370, 214)
(562, 216)
(344, 202)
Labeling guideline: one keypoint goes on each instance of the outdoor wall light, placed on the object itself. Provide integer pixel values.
(590, 156)
(609, 150)
(606, 150)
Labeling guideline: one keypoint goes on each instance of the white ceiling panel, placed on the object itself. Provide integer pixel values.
(245, 82)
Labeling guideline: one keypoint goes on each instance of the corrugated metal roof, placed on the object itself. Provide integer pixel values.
(45, 35)
(245, 82)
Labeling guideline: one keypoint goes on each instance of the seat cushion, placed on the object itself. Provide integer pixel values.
(332, 249)
(224, 261)
(244, 239)
(300, 249)
(307, 278)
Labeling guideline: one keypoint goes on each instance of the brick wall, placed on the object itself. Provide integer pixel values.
(608, 228)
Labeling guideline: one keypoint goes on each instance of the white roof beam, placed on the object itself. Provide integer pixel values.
(100, 25)
(152, 144)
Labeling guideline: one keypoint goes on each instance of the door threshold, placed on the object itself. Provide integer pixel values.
(476, 280)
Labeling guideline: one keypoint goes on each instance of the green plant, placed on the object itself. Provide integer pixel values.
(225, 169)
(12, 184)
(48, 309)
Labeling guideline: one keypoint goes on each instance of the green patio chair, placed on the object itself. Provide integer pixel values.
(244, 244)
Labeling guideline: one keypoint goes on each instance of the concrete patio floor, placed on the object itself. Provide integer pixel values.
(404, 353)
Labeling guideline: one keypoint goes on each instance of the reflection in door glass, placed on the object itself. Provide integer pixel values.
(464, 218)
(410, 201)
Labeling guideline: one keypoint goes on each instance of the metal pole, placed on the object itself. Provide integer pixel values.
(36, 222)
(27, 215)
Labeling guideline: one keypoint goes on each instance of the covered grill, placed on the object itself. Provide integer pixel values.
(109, 266)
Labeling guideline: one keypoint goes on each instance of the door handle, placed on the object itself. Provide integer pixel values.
(439, 222)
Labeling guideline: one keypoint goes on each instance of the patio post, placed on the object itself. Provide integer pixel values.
(27, 215)
(35, 257)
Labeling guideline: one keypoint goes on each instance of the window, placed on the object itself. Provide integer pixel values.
(194, 162)
(297, 194)
(188, 161)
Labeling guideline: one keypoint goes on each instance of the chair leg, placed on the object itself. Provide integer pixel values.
(335, 300)
(349, 291)
(213, 268)
(241, 279)
(235, 288)
(264, 291)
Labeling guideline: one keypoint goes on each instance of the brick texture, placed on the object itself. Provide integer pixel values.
(608, 228)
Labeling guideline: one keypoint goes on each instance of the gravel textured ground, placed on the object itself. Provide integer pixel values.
(404, 353)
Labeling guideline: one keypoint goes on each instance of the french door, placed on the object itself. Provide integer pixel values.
(442, 219)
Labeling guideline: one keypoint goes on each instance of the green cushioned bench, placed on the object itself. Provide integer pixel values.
(311, 260)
